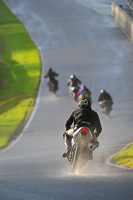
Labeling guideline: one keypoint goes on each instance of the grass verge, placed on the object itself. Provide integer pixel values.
(125, 158)
(20, 69)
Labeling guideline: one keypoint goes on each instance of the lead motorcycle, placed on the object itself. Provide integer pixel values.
(83, 143)
(53, 86)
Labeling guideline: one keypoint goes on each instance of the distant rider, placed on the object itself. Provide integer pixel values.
(51, 77)
(84, 92)
(83, 89)
(104, 96)
(82, 116)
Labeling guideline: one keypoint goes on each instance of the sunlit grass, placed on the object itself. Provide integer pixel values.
(25, 56)
(17, 96)
(125, 158)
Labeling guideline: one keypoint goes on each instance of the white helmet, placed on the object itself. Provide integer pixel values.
(102, 91)
(72, 76)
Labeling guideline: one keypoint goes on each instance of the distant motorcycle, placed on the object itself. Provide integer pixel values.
(73, 92)
(53, 87)
(83, 142)
(106, 107)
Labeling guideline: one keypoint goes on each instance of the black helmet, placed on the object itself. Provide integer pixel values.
(49, 69)
(84, 103)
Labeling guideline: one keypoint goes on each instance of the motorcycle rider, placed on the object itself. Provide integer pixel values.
(73, 81)
(84, 92)
(82, 116)
(51, 77)
(82, 89)
(104, 96)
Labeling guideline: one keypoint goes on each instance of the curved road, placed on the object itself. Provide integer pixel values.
(73, 39)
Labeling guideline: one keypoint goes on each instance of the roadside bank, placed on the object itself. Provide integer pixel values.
(119, 10)
(123, 17)
(20, 70)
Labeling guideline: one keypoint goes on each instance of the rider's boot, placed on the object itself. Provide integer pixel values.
(66, 152)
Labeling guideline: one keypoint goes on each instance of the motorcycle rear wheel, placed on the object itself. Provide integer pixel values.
(107, 111)
(78, 160)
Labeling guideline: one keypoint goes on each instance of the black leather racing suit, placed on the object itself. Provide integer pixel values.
(51, 78)
(73, 82)
(85, 117)
(105, 96)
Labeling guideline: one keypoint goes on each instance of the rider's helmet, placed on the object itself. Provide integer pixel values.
(84, 103)
(102, 91)
(83, 86)
(49, 69)
(72, 76)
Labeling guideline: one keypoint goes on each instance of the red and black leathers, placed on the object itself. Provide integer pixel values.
(85, 116)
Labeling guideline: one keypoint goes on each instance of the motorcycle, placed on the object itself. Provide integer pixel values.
(84, 142)
(53, 87)
(73, 92)
(106, 107)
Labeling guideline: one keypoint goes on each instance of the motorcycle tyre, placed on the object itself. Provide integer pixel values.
(107, 111)
(54, 89)
(78, 160)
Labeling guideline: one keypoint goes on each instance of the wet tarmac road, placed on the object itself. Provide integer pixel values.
(72, 39)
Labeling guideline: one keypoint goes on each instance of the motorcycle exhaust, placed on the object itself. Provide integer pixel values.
(92, 147)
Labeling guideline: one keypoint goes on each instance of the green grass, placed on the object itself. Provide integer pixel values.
(20, 69)
(125, 158)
